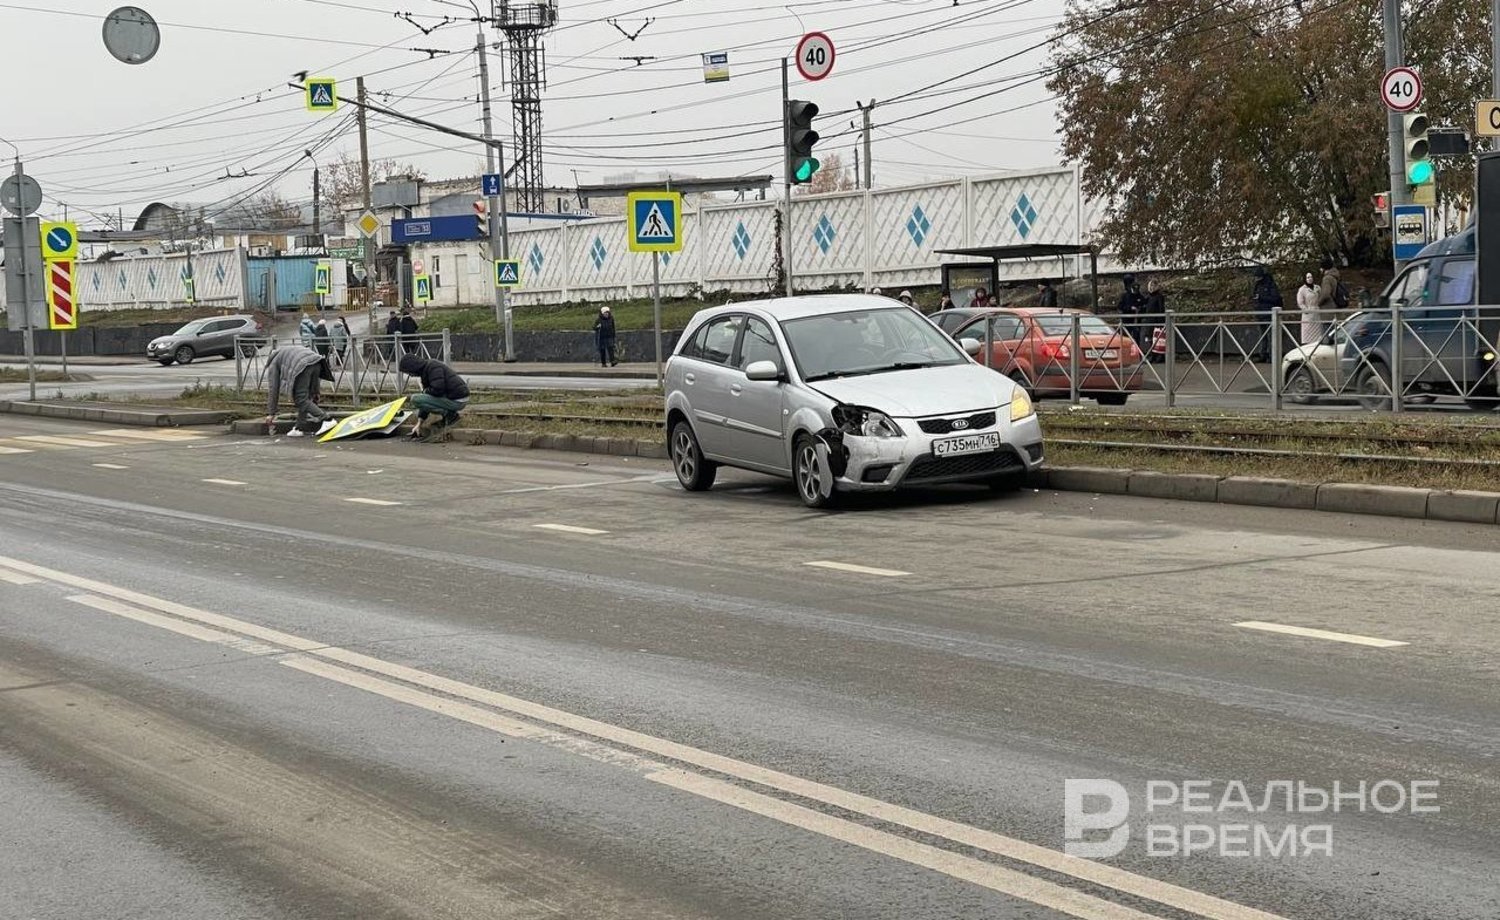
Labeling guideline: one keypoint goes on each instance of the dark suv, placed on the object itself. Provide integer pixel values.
(1448, 343)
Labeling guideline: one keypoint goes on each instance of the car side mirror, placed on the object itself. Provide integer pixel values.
(971, 346)
(763, 370)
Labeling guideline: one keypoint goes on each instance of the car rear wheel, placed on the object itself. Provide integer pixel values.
(1299, 387)
(693, 472)
(1482, 403)
(1112, 399)
(184, 354)
(810, 474)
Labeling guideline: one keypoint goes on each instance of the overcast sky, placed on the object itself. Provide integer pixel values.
(102, 135)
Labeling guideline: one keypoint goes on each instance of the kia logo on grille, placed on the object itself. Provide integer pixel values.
(959, 424)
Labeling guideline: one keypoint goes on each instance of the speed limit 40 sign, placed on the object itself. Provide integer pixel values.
(1401, 89)
(815, 56)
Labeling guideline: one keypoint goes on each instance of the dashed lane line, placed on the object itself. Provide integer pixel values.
(226, 482)
(378, 502)
(1306, 633)
(858, 569)
(569, 528)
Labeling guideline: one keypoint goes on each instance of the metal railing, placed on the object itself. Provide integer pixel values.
(1274, 357)
(367, 366)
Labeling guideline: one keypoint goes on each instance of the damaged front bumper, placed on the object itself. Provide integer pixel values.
(870, 464)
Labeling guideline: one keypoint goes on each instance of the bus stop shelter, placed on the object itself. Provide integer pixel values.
(1019, 252)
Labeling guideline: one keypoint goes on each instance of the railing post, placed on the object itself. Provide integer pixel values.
(1169, 332)
(989, 343)
(447, 347)
(1398, 333)
(351, 367)
(239, 366)
(1073, 356)
(1276, 358)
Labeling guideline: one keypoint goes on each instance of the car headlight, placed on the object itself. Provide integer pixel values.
(1020, 406)
(866, 423)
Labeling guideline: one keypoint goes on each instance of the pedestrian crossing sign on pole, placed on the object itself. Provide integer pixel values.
(655, 221)
(507, 273)
(322, 94)
(422, 288)
(323, 278)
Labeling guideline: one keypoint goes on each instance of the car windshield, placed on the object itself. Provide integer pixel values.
(192, 328)
(1062, 324)
(866, 342)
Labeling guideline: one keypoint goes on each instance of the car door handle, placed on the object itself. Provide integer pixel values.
(736, 389)
(689, 379)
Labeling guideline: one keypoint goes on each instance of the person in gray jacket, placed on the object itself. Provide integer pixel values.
(300, 370)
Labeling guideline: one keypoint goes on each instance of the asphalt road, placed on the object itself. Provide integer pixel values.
(552, 685)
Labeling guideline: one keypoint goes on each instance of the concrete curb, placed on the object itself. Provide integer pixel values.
(139, 417)
(1349, 498)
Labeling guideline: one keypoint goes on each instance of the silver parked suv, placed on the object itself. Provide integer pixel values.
(203, 337)
(841, 393)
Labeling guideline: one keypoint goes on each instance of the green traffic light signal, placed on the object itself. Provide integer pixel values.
(800, 138)
(1419, 172)
(805, 169)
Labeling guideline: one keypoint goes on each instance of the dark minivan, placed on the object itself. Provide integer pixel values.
(1448, 343)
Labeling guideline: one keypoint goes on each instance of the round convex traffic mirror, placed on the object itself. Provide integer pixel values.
(131, 35)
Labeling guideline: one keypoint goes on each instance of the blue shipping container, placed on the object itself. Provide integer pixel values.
(294, 281)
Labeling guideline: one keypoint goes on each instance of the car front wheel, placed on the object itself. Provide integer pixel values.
(1300, 387)
(184, 355)
(693, 472)
(810, 474)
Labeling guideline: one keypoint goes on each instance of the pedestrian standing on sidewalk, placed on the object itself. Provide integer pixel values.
(1265, 297)
(1046, 295)
(307, 330)
(1308, 296)
(300, 371)
(1132, 302)
(443, 390)
(340, 334)
(604, 337)
(1152, 312)
(321, 341)
(408, 322)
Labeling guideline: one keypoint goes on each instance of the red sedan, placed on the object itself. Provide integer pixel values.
(1034, 347)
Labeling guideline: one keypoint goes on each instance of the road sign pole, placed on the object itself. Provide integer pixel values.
(367, 244)
(656, 311)
(786, 176)
(29, 336)
(1397, 151)
(496, 204)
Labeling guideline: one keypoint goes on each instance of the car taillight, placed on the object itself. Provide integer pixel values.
(1055, 350)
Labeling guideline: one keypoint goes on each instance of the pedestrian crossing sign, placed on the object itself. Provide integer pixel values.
(655, 221)
(322, 94)
(323, 278)
(507, 273)
(422, 288)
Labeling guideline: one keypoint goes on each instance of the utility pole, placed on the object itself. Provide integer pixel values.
(865, 110)
(786, 174)
(1400, 193)
(366, 243)
(498, 224)
(1495, 50)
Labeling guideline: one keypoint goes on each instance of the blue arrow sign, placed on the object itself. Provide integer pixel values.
(492, 185)
(60, 240)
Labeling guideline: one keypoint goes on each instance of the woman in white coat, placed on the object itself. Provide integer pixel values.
(1307, 302)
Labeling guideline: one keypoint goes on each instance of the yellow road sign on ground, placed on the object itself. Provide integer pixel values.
(376, 419)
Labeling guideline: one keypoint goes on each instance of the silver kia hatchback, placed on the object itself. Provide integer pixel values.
(841, 393)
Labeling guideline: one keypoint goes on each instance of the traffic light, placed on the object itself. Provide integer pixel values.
(1419, 168)
(1381, 201)
(800, 138)
(482, 219)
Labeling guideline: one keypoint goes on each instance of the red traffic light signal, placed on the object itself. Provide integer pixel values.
(1381, 201)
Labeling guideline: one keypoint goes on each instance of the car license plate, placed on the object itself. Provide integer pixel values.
(968, 444)
(1105, 354)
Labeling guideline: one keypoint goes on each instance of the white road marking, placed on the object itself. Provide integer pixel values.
(15, 450)
(1120, 880)
(191, 630)
(372, 501)
(16, 578)
(568, 528)
(1321, 634)
(58, 441)
(151, 434)
(585, 485)
(111, 466)
(226, 482)
(857, 569)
